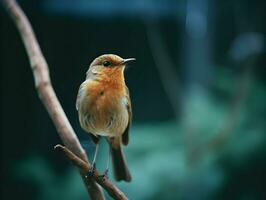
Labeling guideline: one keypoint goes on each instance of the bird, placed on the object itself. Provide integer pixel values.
(104, 109)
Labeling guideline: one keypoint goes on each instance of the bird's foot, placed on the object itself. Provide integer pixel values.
(105, 175)
(91, 171)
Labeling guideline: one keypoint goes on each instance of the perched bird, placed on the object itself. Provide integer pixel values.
(104, 109)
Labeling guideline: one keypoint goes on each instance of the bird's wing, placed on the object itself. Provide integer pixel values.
(80, 94)
(78, 99)
(125, 136)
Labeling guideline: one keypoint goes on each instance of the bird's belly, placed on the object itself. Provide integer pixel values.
(106, 116)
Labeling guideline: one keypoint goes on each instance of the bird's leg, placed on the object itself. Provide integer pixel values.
(93, 166)
(108, 163)
(106, 175)
(95, 155)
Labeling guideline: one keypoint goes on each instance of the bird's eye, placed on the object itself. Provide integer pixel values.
(106, 63)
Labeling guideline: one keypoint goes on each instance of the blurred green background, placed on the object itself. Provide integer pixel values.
(198, 91)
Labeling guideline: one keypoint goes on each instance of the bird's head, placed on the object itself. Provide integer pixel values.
(108, 64)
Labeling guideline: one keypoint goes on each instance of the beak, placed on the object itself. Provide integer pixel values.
(128, 60)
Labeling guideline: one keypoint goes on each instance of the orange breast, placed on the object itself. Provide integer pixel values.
(103, 103)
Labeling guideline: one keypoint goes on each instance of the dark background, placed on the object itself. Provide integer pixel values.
(197, 89)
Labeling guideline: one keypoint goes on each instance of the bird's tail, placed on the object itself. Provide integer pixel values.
(120, 168)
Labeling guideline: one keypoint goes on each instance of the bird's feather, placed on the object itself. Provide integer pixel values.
(125, 136)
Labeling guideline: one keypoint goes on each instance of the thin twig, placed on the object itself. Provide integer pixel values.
(46, 92)
(85, 167)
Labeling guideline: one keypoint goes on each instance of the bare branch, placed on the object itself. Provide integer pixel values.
(85, 167)
(42, 79)
(46, 92)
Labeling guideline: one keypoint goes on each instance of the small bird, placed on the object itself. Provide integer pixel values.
(104, 109)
